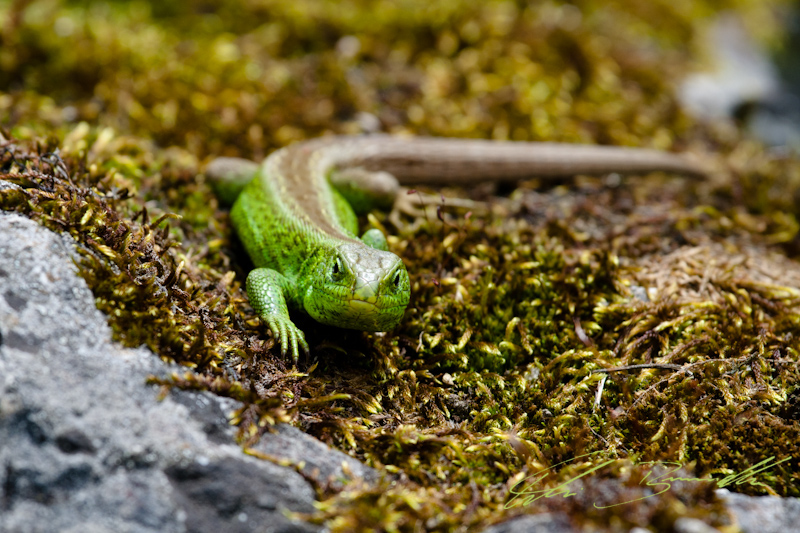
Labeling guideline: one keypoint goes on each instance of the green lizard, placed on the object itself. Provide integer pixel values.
(294, 214)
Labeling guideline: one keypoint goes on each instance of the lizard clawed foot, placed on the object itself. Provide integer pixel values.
(289, 336)
(413, 205)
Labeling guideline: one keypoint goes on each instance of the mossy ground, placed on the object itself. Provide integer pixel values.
(530, 311)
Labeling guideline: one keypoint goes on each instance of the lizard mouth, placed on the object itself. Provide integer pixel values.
(363, 306)
(379, 314)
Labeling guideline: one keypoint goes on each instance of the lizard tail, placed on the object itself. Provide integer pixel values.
(436, 160)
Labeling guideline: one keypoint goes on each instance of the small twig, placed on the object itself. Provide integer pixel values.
(664, 366)
(421, 202)
(683, 369)
(601, 385)
(742, 362)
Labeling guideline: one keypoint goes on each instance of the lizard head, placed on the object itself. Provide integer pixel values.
(358, 287)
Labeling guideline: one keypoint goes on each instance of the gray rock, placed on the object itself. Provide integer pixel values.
(742, 72)
(744, 84)
(327, 466)
(693, 525)
(86, 446)
(538, 523)
(763, 514)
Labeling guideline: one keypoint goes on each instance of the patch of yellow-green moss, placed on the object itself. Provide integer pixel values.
(642, 321)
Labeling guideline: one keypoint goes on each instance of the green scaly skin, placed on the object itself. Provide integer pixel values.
(301, 232)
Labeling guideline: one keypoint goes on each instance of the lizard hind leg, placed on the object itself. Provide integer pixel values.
(228, 176)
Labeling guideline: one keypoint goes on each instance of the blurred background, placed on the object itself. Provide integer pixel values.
(242, 77)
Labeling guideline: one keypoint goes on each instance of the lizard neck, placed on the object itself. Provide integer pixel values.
(298, 176)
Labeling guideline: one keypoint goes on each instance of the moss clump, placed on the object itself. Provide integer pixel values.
(650, 321)
(510, 300)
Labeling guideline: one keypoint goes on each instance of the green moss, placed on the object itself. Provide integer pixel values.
(655, 320)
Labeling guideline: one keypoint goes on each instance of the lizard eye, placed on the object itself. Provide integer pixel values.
(337, 270)
(397, 281)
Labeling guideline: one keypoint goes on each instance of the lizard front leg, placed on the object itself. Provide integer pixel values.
(268, 291)
(374, 238)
